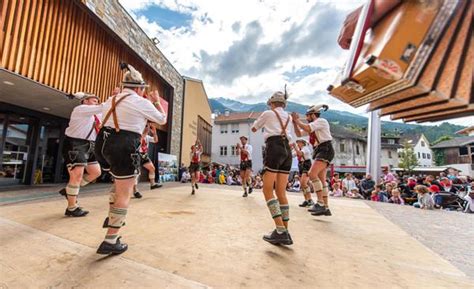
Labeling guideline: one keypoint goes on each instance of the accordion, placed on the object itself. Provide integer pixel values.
(415, 64)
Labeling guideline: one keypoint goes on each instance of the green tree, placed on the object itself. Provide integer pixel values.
(408, 160)
(441, 139)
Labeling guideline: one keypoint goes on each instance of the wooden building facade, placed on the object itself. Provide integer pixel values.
(51, 48)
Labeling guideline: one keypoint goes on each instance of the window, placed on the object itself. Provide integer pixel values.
(223, 151)
(463, 151)
(235, 128)
(389, 154)
(233, 150)
(223, 128)
(422, 143)
(419, 156)
(428, 156)
(342, 147)
(391, 141)
(423, 155)
(357, 150)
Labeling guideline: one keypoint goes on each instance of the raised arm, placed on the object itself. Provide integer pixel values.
(154, 133)
(297, 150)
(299, 125)
(154, 112)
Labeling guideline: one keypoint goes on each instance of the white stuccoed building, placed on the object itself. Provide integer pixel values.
(226, 131)
(421, 148)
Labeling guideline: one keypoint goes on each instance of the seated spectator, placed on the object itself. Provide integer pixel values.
(384, 196)
(335, 179)
(447, 185)
(296, 185)
(374, 196)
(425, 201)
(336, 191)
(430, 180)
(186, 177)
(258, 183)
(367, 186)
(354, 194)
(238, 181)
(230, 179)
(436, 196)
(388, 177)
(469, 197)
(210, 179)
(222, 178)
(396, 197)
(348, 183)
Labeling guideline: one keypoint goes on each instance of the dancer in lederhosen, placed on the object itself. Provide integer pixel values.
(195, 165)
(118, 148)
(277, 165)
(78, 150)
(145, 160)
(244, 149)
(321, 140)
(303, 154)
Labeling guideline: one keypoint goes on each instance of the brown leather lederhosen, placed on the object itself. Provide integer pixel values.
(113, 112)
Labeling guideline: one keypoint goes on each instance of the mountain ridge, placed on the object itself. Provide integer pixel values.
(344, 118)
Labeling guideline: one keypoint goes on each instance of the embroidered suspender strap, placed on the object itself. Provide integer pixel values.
(112, 111)
(283, 127)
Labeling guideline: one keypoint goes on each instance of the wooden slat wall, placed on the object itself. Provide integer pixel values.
(60, 45)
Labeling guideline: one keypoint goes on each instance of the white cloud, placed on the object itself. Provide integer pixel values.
(226, 25)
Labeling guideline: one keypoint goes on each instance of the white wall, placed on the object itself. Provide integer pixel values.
(419, 150)
(423, 151)
(385, 159)
(230, 139)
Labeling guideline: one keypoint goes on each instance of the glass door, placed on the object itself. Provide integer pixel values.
(14, 149)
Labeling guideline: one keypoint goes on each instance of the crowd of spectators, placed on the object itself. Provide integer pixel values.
(445, 191)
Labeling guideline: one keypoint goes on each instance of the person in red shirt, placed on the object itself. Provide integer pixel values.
(195, 166)
(145, 160)
(244, 149)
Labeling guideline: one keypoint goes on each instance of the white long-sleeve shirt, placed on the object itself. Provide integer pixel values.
(269, 121)
(322, 130)
(82, 121)
(133, 112)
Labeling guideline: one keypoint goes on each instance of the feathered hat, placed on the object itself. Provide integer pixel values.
(317, 108)
(132, 78)
(83, 96)
(278, 96)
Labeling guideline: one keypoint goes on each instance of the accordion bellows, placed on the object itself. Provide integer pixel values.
(416, 63)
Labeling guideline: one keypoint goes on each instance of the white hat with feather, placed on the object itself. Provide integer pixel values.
(278, 97)
(84, 95)
(132, 78)
(317, 108)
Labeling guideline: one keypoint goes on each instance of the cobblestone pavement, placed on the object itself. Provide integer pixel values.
(449, 234)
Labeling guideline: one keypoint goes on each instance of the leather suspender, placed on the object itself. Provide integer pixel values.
(90, 132)
(283, 127)
(113, 112)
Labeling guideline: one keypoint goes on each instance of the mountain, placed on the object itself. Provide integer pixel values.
(218, 106)
(344, 118)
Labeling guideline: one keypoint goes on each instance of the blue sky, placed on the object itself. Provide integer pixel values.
(247, 49)
(166, 18)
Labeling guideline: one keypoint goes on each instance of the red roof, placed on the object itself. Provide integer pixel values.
(238, 117)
